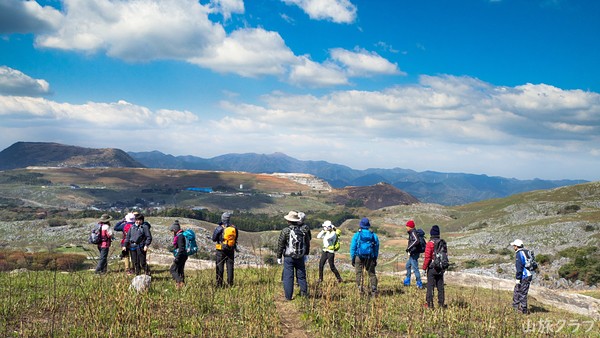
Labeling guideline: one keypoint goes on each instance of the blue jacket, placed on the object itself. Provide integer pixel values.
(356, 241)
(522, 273)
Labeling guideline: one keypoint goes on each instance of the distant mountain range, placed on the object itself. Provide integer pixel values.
(427, 186)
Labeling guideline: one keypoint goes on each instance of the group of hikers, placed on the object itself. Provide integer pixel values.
(293, 248)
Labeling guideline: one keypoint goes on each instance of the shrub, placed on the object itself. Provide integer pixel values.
(543, 259)
(584, 265)
(56, 222)
(472, 263)
(40, 261)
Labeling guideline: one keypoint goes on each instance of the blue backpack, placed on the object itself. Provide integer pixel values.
(191, 247)
(366, 244)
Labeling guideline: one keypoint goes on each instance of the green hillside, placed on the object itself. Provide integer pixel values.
(37, 304)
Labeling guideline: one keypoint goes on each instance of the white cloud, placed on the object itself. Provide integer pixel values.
(228, 7)
(147, 30)
(338, 11)
(135, 30)
(27, 17)
(364, 63)
(14, 82)
(307, 72)
(248, 52)
(92, 114)
(444, 109)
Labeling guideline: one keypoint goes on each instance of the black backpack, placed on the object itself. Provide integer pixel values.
(440, 261)
(420, 248)
(296, 243)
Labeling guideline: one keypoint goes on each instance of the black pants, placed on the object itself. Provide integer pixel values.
(224, 257)
(138, 258)
(103, 260)
(435, 280)
(520, 295)
(177, 270)
(328, 256)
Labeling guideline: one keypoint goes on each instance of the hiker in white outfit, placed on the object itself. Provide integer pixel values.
(329, 236)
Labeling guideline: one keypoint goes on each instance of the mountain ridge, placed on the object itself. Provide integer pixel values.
(427, 186)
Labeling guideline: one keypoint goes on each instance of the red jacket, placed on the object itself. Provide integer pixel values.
(428, 254)
(126, 228)
(105, 236)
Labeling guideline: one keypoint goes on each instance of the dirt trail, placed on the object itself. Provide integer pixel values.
(290, 318)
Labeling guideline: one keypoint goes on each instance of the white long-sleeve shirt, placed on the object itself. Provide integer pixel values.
(329, 238)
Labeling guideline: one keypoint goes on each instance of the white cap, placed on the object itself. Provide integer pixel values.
(327, 224)
(517, 242)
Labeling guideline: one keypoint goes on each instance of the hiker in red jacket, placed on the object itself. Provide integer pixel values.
(435, 275)
(106, 236)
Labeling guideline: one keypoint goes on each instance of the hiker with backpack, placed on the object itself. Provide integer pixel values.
(524, 266)
(106, 237)
(180, 252)
(137, 241)
(331, 244)
(294, 245)
(364, 251)
(123, 226)
(225, 236)
(416, 245)
(435, 264)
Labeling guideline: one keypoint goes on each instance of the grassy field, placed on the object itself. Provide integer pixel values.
(39, 304)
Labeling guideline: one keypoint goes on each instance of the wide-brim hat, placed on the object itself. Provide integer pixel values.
(517, 242)
(130, 217)
(327, 225)
(105, 218)
(292, 216)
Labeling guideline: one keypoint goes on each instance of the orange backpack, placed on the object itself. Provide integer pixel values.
(230, 237)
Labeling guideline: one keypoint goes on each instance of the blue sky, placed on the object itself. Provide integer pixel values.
(498, 87)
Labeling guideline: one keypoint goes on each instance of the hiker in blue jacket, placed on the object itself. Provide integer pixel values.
(523, 277)
(365, 247)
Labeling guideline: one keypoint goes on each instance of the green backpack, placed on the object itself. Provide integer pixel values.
(336, 245)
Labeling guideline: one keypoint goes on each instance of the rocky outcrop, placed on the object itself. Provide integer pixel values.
(311, 181)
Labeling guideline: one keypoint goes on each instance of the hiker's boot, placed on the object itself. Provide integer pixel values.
(340, 281)
(419, 284)
(407, 281)
(429, 306)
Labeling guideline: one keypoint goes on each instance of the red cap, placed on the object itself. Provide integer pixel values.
(410, 224)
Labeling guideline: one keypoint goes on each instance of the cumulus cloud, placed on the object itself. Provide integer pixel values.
(361, 62)
(27, 17)
(135, 30)
(147, 30)
(92, 114)
(307, 72)
(228, 7)
(14, 82)
(446, 109)
(248, 52)
(338, 11)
